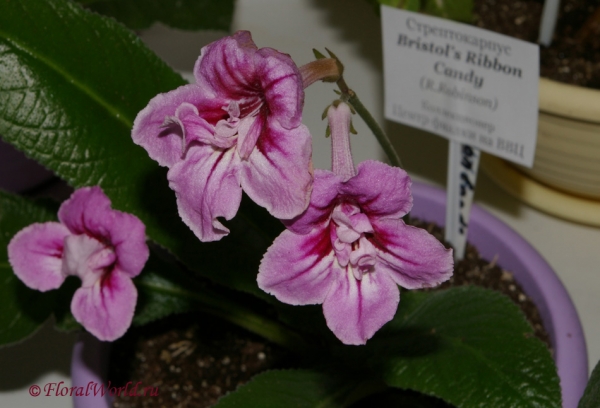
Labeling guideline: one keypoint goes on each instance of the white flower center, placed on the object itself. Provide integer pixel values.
(87, 258)
(246, 128)
(351, 246)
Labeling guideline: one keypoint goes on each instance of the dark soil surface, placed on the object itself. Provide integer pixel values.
(190, 360)
(570, 58)
(193, 360)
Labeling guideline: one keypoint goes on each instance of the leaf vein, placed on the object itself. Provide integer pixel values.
(120, 116)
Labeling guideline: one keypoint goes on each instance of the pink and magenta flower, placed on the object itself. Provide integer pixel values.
(350, 249)
(105, 248)
(237, 128)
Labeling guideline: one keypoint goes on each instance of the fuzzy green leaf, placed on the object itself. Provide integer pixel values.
(469, 346)
(163, 289)
(391, 3)
(183, 14)
(591, 396)
(291, 388)
(22, 310)
(460, 10)
(395, 397)
(71, 84)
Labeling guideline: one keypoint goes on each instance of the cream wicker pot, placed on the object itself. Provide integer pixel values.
(568, 148)
(565, 178)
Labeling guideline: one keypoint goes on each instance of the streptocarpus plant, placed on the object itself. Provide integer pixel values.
(345, 245)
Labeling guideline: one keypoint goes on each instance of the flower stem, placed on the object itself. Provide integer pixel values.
(349, 96)
(257, 324)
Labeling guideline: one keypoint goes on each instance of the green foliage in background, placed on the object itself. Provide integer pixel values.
(182, 14)
(459, 10)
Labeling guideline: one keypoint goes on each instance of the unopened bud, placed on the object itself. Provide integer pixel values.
(339, 116)
(324, 69)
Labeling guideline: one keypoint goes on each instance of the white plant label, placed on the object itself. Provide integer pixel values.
(463, 163)
(469, 85)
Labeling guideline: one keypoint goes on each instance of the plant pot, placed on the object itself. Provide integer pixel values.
(493, 238)
(89, 365)
(568, 150)
(567, 156)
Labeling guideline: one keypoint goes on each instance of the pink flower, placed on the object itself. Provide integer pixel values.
(350, 250)
(239, 127)
(105, 248)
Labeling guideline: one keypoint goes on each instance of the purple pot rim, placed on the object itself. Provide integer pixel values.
(566, 331)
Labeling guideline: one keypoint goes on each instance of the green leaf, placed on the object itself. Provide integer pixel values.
(163, 289)
(308, 318)
(459, 10)
(391, 3)
(396, 397)
(22, 310)
(183, 14)
(71, 84)
(292, 388)
(469, 346)
(591, 396)
(412, 5)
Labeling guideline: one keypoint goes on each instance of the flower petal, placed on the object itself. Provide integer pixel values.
(282, 85)
(413, 257)
(227, 67)
(350, 222)
(87, 211)
(278, 172)
(87, 258)
(233, 67)
(298, 269)
(380, 190)
(322, 203)
(35, 254)
(195, 129)
(164, 143)
(249, 131)
(356, 309)
(128, 237)
(207, 186)
(363, 258)
(106, 308)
